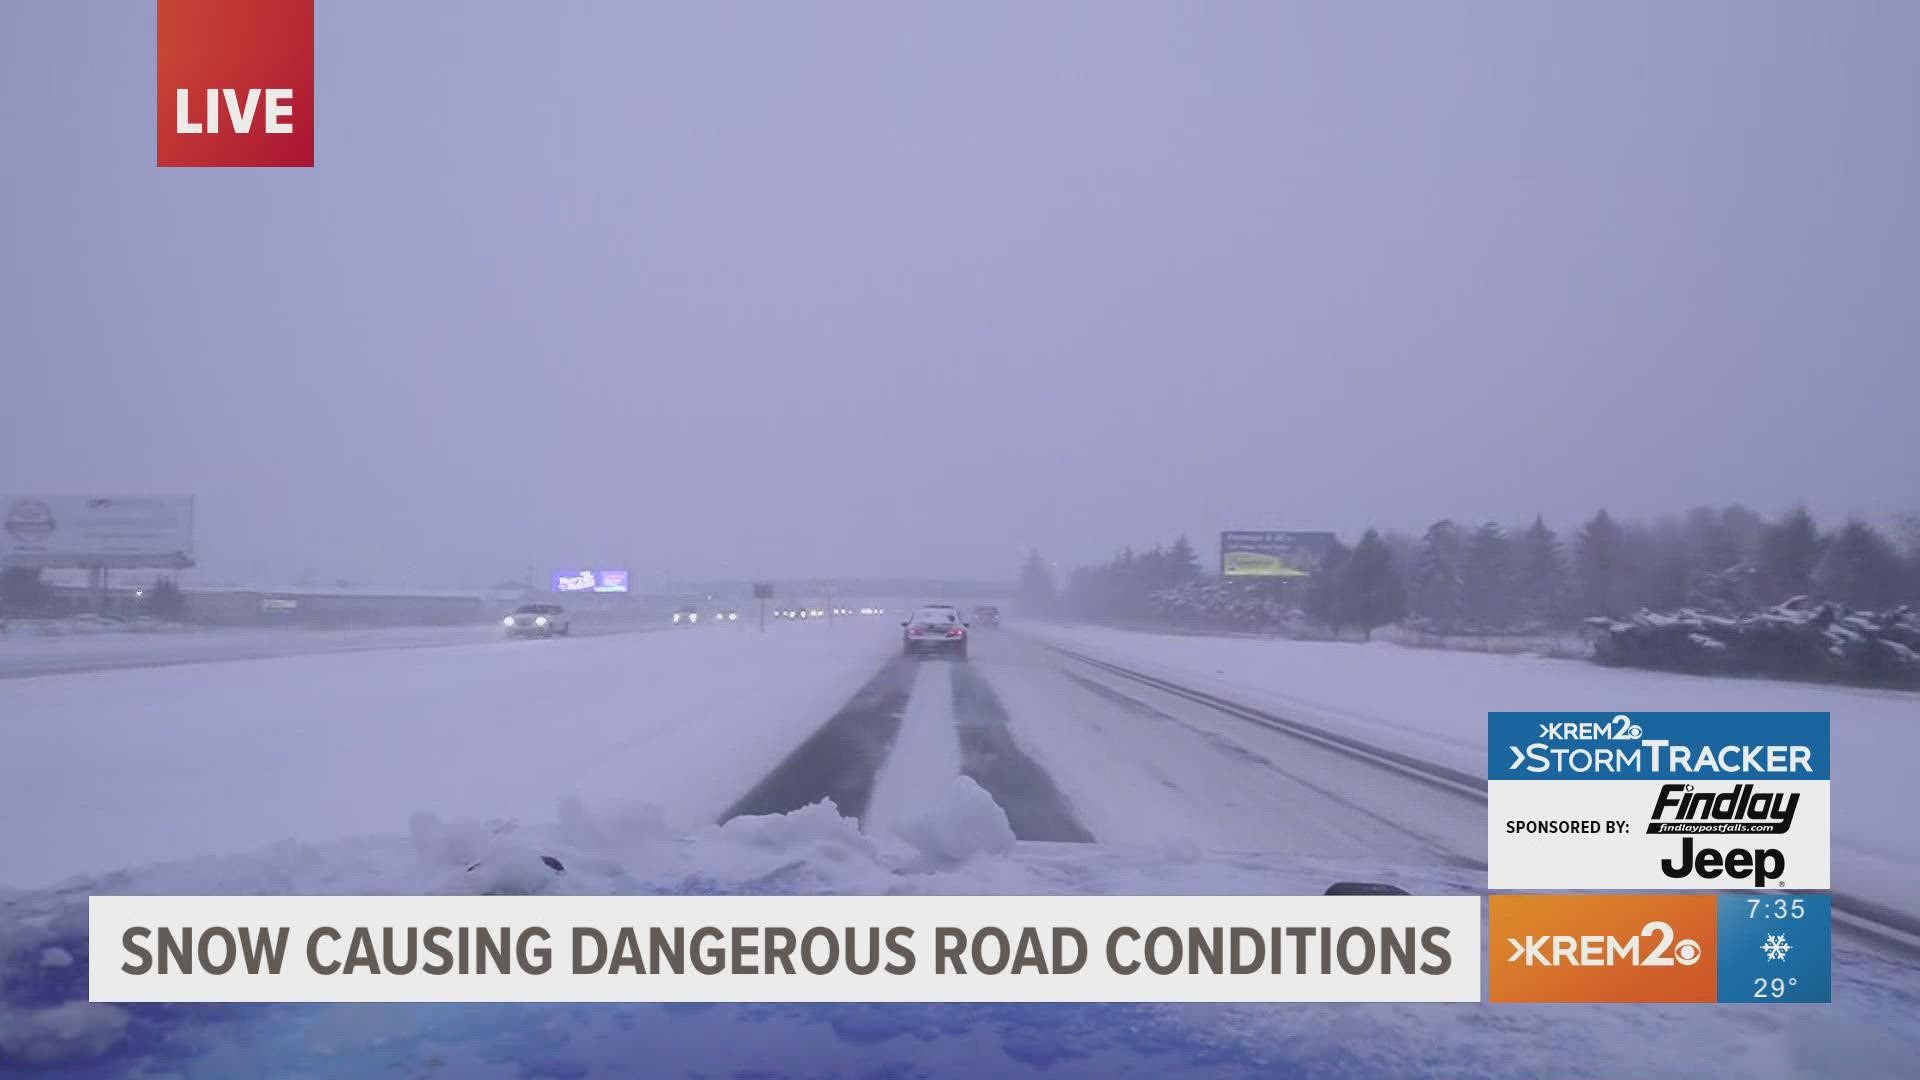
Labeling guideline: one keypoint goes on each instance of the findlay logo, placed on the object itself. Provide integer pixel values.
(235, 83)
(1740, 810)
(1679, 808)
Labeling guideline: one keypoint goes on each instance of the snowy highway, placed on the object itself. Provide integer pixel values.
(134, 765)
(696, 760)
(1180, 747)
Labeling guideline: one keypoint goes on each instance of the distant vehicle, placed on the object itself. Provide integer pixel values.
(726, 615)
(934, 629)
(687, 616)
(987, 615)
(538, 620)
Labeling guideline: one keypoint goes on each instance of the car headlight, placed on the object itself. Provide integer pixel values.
(540, 621)
(508, 621)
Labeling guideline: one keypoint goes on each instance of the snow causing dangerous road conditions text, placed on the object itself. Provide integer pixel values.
(915, 948)
(1658, 800)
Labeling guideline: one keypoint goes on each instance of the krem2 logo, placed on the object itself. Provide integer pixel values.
(1653, 946)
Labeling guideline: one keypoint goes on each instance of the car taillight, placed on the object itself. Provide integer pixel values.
(918, 631)
(955, 631)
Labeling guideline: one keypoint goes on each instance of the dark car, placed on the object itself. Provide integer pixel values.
(538, 620)
(934, 630)
(987, 615)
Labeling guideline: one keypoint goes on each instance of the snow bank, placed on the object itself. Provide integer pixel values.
(960, 821)
(45, 1023)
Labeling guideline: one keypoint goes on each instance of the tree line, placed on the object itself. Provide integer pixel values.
(1494, 579)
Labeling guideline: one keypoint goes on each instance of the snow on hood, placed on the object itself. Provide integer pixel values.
(961, 846)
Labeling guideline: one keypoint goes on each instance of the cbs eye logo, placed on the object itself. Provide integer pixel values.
(235, 83)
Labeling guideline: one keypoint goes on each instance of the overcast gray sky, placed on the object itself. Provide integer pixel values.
(872, 288)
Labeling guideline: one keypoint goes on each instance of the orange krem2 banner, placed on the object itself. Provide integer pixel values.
(1603, 948)
(235, 83)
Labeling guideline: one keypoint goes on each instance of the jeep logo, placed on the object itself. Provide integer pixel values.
(1763, 865)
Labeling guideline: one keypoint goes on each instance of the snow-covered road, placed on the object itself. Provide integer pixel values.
(25, 654)
(120, 767)
(1432, 705)
(127, 766)
(622, 753)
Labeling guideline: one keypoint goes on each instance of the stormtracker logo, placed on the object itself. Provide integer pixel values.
(1658, 800)
(1680, 808)
(1661, 755)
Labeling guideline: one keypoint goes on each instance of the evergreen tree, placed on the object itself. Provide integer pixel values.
(1860, 569)
(1485, 579)
(163, 600)
(1910, 541)
(1034, 592)
(1437, 595)
(22, 589)
(1655, 566)
(1374, 594)
(1541, 575)
(1326, 591)
(1598, 556)
(1183, 563)
(1789, 551)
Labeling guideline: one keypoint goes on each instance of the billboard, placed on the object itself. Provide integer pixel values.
(599, 581)
(85, 531)
(1273, 554)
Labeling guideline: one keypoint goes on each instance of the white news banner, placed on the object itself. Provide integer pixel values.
(1659, 801)
(784, 948)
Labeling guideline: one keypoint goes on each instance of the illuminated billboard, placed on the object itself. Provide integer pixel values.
(599, 581)
(1273, 554)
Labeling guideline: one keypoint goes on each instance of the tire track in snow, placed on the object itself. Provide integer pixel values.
(1440, 852)
(988, 755)
(841, 760)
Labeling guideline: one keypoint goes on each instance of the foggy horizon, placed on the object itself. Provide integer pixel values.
(859, 290)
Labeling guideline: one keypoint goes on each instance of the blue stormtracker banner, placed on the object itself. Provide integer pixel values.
(1659, 800)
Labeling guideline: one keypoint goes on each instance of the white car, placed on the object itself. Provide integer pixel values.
(935, 628)
(538, 620)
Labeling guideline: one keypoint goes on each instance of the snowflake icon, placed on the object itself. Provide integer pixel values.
(1776, 947)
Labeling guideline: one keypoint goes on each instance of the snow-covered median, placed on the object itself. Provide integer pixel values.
(122, 767)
